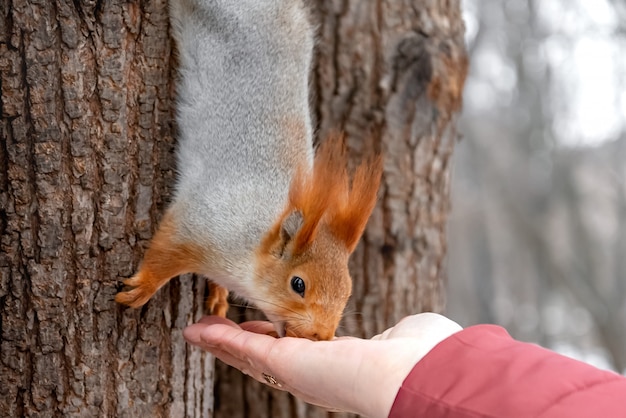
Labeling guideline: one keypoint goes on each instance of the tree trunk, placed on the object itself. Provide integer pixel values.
(86, 167)
(85, 170)
(390, 75)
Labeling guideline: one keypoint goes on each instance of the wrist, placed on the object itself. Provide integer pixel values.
(400, 350)
(382, 369)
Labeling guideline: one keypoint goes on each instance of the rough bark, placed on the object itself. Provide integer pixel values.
(86, 167)
(390, 75)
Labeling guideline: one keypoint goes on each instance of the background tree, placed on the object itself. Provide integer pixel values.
(538, 232)
(86, 168)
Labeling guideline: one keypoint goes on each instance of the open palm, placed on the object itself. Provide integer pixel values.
(347, 373)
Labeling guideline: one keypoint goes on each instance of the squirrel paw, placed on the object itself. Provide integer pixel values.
(142, 290)
(217, 302)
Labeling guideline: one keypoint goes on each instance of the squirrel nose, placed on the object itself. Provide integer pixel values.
(321, 335)
(314, 335)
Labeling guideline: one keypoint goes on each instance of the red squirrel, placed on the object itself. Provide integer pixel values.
(253, 210)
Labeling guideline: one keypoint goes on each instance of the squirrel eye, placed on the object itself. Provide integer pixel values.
(297, 284)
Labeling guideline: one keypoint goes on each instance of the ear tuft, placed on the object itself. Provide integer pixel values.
(349, 215)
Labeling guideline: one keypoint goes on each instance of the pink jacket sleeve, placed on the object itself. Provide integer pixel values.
(482, 372)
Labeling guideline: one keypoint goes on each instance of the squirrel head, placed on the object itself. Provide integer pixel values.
(302, 269)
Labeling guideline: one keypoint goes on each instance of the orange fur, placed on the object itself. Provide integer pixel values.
(327, 194)
(217, 302)
(348, 217)
(313, 193)
(165, 258)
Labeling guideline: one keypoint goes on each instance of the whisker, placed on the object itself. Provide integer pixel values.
(352, 314)
(243, 305)
(295, 327)
(299, 315)
(242, 314)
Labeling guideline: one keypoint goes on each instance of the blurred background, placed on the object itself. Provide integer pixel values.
(537, 235)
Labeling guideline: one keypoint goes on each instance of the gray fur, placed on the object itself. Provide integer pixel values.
(244, 67)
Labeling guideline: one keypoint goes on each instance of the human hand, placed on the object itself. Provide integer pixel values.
(349, 374)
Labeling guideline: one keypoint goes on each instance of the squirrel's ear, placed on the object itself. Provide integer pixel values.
(311, 193)
(289, 229)
(291, 225)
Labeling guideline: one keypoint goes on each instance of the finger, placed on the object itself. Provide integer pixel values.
(238, 363)
(231, 344)
(261, 376)
(343, 338)
(258, 327)
(250, 347)
(214, 319)
(294, 362)
(285, 359)
(257, 375)
(193, 332)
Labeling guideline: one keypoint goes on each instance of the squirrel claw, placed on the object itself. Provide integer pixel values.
(140, 293)
(217, 301)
